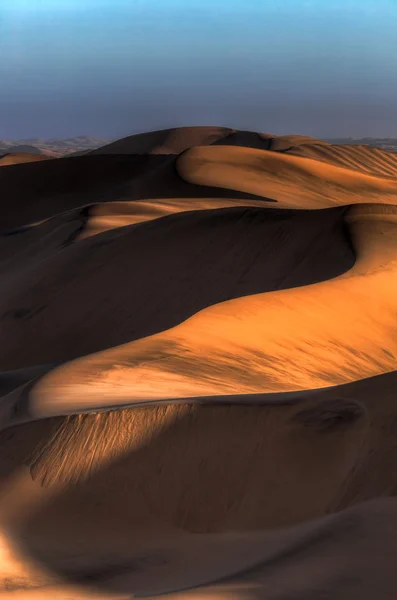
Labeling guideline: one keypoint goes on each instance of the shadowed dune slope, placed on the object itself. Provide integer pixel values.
(249, 139)
(34, 192)
(152, 500)
(344, 556)
(198, 368)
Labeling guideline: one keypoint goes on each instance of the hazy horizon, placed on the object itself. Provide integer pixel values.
(112, 68)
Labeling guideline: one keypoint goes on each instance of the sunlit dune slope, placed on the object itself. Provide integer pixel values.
(293, 181)
(365, 159)
(16, 158)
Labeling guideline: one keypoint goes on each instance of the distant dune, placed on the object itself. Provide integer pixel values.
(198, 369)
(17, 158)
(52, 147)
(167, 141)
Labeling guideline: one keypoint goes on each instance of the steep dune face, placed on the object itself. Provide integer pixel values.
(198, 368)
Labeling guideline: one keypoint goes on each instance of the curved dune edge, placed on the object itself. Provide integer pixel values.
(294, 182)
(171, 268)
(242, 346)
(106, 216)
(91, 219)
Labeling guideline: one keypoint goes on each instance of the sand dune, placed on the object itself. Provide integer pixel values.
(198, 370)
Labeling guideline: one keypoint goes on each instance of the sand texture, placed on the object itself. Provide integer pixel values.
(198, 370)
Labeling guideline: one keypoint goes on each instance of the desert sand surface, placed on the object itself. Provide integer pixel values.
(198, 370)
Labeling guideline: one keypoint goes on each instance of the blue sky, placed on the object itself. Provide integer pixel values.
(116, 67)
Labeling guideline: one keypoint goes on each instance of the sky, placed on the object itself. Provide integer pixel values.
(111, 68)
